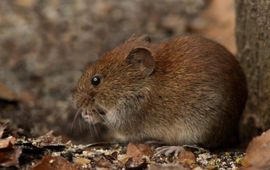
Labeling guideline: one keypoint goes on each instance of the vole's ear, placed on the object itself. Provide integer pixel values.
(141, 59)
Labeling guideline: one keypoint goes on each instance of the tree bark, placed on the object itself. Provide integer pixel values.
(253, 46)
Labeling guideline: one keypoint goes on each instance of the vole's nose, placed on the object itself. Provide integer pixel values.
(85, 113)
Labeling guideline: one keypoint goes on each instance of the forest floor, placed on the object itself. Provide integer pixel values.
(51, 152)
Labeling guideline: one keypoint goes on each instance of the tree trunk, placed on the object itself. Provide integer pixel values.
(253, 43)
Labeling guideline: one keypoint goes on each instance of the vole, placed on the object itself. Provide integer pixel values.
(186, 90)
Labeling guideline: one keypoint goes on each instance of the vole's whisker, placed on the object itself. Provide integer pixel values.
(94, 128)
(80, 125)
(90, 128)
(75, 118)
(106, 121)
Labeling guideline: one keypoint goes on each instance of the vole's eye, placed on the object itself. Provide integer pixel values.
(95, 80)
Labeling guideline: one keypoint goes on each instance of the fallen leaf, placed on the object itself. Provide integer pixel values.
(103, 163)
(6, 93)
(187, 158)
(138, 151)
(7, 142)
(27, 97)
(257, 153)
(122, 158)
(9, 155)
(2, 129)
(54, 163)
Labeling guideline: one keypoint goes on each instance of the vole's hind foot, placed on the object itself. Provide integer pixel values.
(175, 150)
(194, 147)
(169, 150)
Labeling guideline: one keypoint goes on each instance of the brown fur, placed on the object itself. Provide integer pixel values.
(195, 93)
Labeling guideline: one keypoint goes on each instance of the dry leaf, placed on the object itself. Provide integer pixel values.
(187, 158)
(7, 142)
(258, 153)
(2, 129)
(122, 159)
(103, 163)
(6, 93)
(138, 151)
(9, 155)
(54, 163)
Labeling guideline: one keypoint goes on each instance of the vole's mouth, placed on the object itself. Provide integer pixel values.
(94, 115)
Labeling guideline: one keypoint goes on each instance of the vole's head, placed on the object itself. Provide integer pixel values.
(117, 86)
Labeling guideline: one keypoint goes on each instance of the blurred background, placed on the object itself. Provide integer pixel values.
(44, 45)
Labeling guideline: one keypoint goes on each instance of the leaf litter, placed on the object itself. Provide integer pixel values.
(53, 152)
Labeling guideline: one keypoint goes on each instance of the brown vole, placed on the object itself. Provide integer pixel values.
(188, 90)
